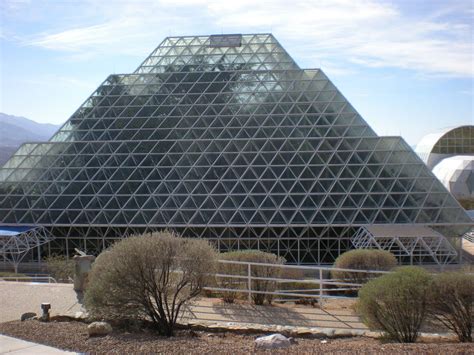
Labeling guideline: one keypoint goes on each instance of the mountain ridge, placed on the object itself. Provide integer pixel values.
(16, 130)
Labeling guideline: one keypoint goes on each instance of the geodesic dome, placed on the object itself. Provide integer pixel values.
(457, 174)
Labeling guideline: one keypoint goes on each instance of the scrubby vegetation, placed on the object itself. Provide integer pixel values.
(362, 259)
(12, 275)
(397, 303)
(60, 268)
(257, 271)
(149, 277)
(467, 203)
(452, 303)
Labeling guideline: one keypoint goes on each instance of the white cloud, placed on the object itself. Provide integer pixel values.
(367, 32)
(78, 39)
(60, 81)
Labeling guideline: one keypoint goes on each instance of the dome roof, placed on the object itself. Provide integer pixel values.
(457, 174)
(448, 142)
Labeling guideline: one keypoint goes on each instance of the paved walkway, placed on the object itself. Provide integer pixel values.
(20, 297)
(336, 315)
(17, 298)
(9, 345)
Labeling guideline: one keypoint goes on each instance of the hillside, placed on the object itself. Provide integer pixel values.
(17, 130)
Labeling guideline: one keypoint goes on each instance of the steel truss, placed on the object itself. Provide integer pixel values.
(415, 249)
(234, 143)
(469, 236)
(15, 246)
(300, 245)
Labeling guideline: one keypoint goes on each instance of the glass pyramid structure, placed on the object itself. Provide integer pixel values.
(223, 137)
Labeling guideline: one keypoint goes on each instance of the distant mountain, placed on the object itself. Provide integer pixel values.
(15, 131)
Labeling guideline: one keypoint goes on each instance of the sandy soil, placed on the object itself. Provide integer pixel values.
(73, 336)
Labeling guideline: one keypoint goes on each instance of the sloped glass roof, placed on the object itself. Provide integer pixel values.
(216, 134)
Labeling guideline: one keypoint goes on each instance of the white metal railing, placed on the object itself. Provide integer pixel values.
(318, 277)
(40, 279)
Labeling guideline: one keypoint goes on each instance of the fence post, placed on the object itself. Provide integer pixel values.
(320, 285)
(249, 282)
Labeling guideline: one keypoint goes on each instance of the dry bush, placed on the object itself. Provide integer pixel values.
(299, 286)
(467, 203)
(149, 277)
(452, 303)
(396, 303)
(60, 268)
(362, 259)
(230, 283)
(254, 256)
(11, 275)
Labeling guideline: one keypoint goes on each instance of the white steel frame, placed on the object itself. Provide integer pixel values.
(416, 249)
(14, 247)
(235, 144)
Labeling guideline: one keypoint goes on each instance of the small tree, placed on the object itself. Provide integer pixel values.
(452, 303)
(149, 277)
(257, 271)
(396, 303)
(362, 259)
(60, 267)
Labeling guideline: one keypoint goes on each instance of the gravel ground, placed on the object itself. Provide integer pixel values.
(73, 336)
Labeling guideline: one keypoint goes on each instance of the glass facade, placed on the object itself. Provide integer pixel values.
(223, 138)
(459, 141)
(450, 142)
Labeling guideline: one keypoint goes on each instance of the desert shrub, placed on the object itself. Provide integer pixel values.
(467, 203)
(25, 278)
(452, 303)
(396, 303)
(61, 268)
(254, 256)
(230, 282)
(298, 286)
(362, 259)
(149, 277)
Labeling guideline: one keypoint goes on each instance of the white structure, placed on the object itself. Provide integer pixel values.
(457, 174)
(450, 155)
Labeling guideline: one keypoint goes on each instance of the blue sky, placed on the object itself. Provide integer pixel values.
(406, 65)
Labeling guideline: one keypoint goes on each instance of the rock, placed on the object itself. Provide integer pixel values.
(274, 341)
(61, 318)
(81, 315)
(357, 333)
(328, 332)
(342, 333)
(436, 337)
(374, 335)
(99, 328)
(27, 315)
(302, 331)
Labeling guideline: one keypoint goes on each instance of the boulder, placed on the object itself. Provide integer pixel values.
(61, 318)
(274, 341)
(27, 315)
(99, 328)
(81, 315)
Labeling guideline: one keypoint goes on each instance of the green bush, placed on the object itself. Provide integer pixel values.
(362, 259)
(149, 277)
(452, 303)
(396, 303)
(61, 268)
(230, 282)
(254, 256)
(11, 275)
